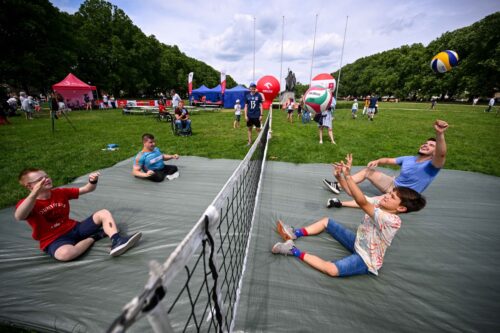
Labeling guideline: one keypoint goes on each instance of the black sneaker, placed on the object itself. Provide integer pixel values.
(123, 244)
(333, 202)
(332, 186)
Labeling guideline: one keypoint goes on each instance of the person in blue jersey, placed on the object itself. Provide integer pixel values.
(253, 110)
(149, 162)
(417, 172)
(372, 106)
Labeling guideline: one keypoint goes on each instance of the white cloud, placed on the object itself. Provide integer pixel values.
(220, 33)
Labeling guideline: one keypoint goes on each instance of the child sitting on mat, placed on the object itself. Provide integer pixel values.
(47, 211)
(369, 244)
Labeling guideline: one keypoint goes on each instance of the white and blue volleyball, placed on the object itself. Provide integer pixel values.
(444, 61)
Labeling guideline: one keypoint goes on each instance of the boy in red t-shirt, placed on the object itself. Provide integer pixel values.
(47, 211)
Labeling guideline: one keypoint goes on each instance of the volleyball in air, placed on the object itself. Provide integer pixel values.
(444, 61)
(317, 99)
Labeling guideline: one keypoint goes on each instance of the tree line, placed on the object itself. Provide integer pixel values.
(405, 72)
(99, 44)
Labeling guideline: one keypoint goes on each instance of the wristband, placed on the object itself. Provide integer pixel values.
(93, 182)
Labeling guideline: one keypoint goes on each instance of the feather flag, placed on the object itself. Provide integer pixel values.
(190, 82)
(223, 81)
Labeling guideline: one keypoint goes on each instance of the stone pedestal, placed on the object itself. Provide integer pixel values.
(286, 95)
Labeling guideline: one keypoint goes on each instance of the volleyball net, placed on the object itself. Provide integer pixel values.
(197, 288)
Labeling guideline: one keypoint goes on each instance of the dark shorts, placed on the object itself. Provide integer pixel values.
(159, 175)
(237, 117)
(81, 231)
(253, 121)
(290, 110)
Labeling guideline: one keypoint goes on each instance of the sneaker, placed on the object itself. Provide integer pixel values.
(286, 232)
(123, 244)
(173, 176)
(284, 248)
(321, 142)
(332, 186)
(333, 202)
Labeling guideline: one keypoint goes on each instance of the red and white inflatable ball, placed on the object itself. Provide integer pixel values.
(324, 80)
(269, 86)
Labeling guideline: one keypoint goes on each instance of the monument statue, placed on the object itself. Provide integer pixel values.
(290, 81)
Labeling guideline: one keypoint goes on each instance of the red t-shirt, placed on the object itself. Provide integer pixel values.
(49, 218)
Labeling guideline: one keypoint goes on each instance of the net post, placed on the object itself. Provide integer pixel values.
(157, 313)
(212, 219)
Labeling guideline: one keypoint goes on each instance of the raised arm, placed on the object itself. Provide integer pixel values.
(440, 153)
(24, 209)
(167, 157)
(91, 185)
(356, 192)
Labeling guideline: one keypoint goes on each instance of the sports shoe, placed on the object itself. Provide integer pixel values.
(173, 176)
(333, 202)
(284, 248)
(123, 244)
(286, 232)
(332, 186)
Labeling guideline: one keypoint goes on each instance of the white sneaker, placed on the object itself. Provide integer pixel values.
(321, 142)
(173, 176)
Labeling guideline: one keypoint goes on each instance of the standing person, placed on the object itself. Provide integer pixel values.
(491, 103)
(12, 105)
(299, 109)
(88, 103)
(289, 110)
(175, 98)
(367, 103)
(253, 111)
(28, 107)
(354, 109)
(47, 211)
(112, 101)
(372, 238)
(372, 107)
(105, 100)
(326, 121)
(237, 114)
(417, 172)
(474, 101)
(433, 103)
(149, 164)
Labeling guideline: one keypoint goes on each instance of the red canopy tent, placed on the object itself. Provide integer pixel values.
(73, 90)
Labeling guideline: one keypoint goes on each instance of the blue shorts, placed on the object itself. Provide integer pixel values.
(82, 230)
(350, 265)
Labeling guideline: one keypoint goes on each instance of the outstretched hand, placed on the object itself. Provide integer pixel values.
(94, 177)
(440, 126)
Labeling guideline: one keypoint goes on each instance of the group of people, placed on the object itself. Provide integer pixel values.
(401, 194)
(47, 209)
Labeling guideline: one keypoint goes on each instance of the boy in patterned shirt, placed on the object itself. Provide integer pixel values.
(374, 235)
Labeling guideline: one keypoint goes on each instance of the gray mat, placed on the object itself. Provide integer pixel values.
(441, 273)
(88, 294)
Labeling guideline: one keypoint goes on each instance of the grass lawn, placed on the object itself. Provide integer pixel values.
(473, 140)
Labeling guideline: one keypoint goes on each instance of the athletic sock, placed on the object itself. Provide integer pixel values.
(297, 253)
(115, 237)
(300, 232)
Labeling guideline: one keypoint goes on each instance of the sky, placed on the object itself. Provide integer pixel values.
(222, 33)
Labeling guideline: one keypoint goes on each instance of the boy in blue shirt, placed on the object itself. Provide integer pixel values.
(149, 162)
(253, 111)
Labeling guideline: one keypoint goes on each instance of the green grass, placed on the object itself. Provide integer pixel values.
(473, 140)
